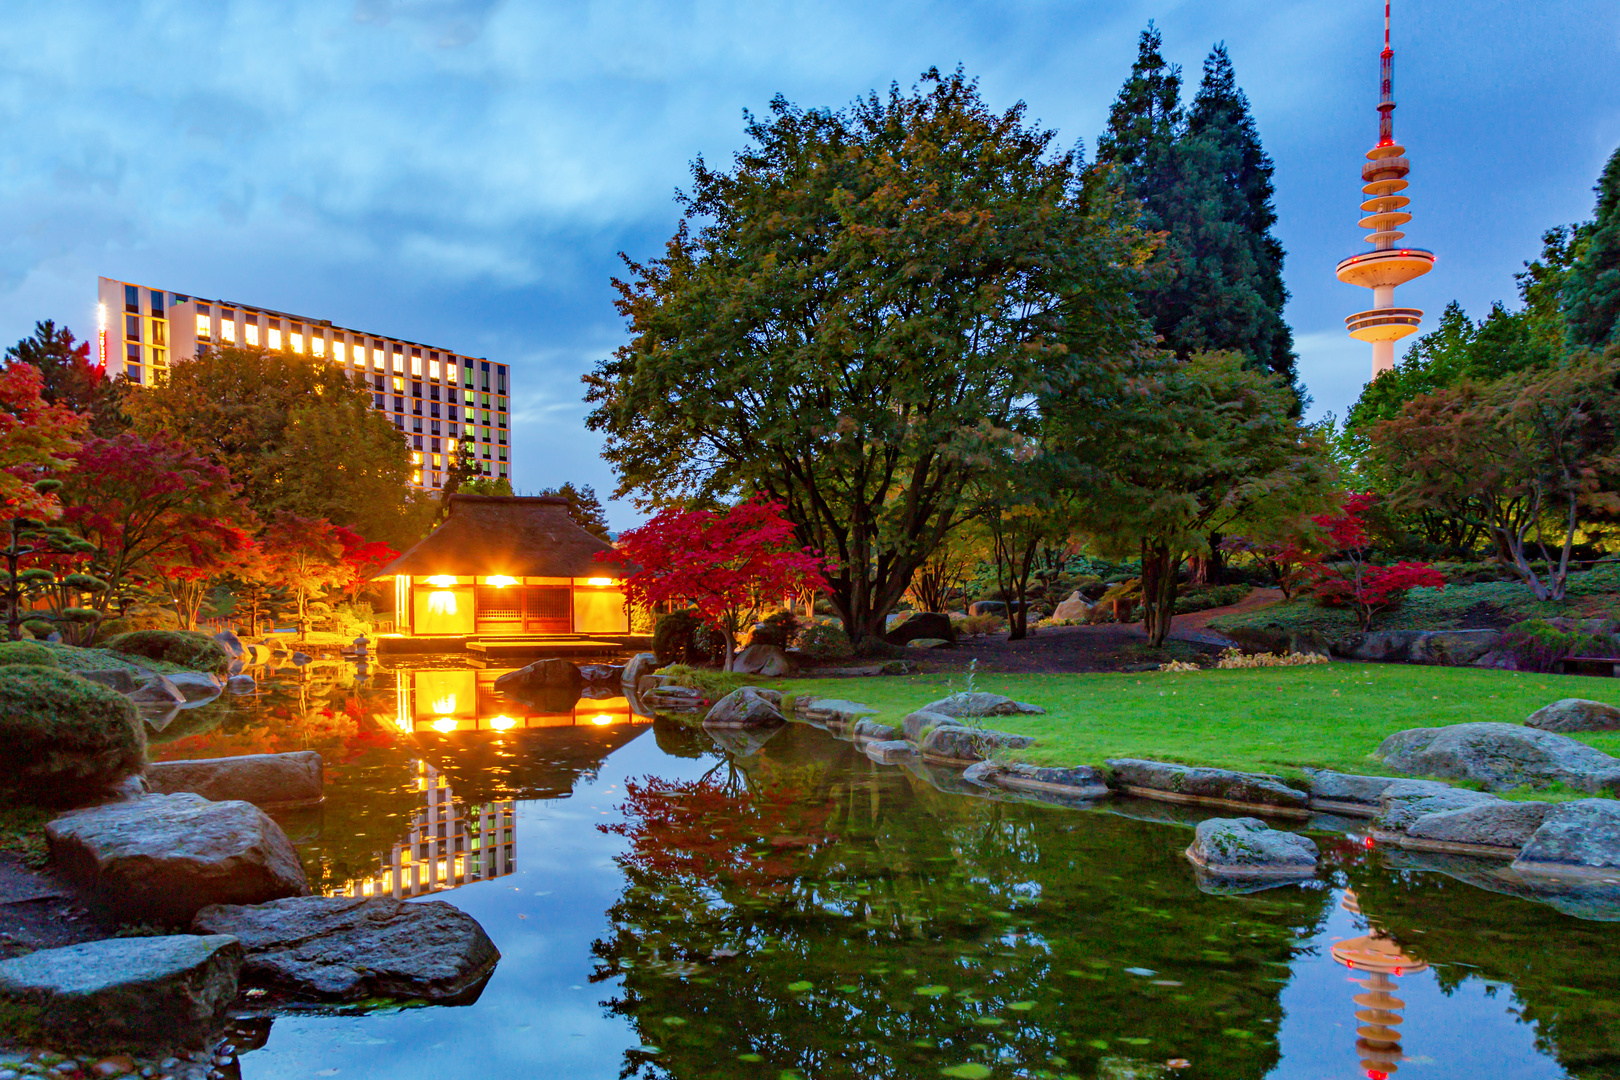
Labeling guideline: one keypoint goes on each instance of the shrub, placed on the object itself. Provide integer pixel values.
(824, 640)
(64, 738)
(138, 617)
(39, 628)
(187, 648)
(779, 629)
(26, 652)
(1537, 645)
(978, 625)
(682, 638)
(1209, 596)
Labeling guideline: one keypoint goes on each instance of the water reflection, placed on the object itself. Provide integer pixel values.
(465, 699)
(1383, 959)
(449, 845)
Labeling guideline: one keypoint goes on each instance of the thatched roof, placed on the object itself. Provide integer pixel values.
(517, 535)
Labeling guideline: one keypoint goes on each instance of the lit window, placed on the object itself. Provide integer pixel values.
(297, 342)
(399, 362)
(317, 345)
(416, 478)
(416, 457)
(377, 359)
(436, 461)
(416, 366)
(433, 370)
(205, 327)
(160, 334)
(227, 330)
(337, 351)
(253, 334)
(399, 386)
(274, 337)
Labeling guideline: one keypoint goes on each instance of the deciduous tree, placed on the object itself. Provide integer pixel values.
(308, 559)
(71, 379)
(35, 437)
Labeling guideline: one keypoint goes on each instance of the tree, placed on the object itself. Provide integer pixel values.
(838, 317)
(1022, 507)
(1191, 447)
(1525, 458)
(203, 559)
(71, 380)
(1592, 288)
(728, 565)
(360, 558)
(463, 469)
(148, 505)
(35, 436)
(1358, 583)
(295, 433)
(308, 558)
(584, 507)
(43, 559)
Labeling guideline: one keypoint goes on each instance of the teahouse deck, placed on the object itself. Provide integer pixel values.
(484, 651)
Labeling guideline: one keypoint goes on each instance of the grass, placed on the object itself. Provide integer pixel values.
(1279, 720)
(22, 832)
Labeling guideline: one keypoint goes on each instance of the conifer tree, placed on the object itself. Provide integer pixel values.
(1592, 289)
(70, 379)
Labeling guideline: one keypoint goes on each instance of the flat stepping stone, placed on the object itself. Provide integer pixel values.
(1082, 782)
(1208, 787)
(143, 993)
(981, 704)
(282, 781)
(1237, 855)
(325, 948)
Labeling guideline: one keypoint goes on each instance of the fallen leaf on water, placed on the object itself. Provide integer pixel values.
(1178, 1063)
(971, 1070)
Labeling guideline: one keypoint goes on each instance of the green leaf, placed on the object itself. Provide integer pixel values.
(933, 991)
(797, 987)
(970, 1070)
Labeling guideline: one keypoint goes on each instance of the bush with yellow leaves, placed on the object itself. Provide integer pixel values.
(1237, 658)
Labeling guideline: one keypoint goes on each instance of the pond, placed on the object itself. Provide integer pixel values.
(668, 908)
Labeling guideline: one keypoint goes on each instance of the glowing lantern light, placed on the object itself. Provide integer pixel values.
(599, 581)
(441, 603)
(502, 723)
(499, 581)
(601, 719)
(446, 704)
(443, 581)
(445, 723)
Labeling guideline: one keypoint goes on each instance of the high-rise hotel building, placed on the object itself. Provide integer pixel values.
(435, 397)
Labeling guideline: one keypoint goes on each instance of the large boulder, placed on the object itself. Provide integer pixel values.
(981, 704)
(156, 689)
(596, 674)
(1454, 648)
(1347, 793)
(231, 644)
(1081, 782)
(1219, 787)
(279, 781)
(638, 665)
(120, 679)
(189, 649)
(1500, 757)
(921, 624)
(915, 725)
(1501, 825)
(1074, 609)
(342, 948)
(1575, 714)
(833, 710)
(764, 660)
(1578, 839)
(139, 993)
(953, 743)
(64, 739)
(1382, 645)
(1249, 848)
(550, 674)
(1405, 801)
(196, 686)
(748, 706)
(160, 858)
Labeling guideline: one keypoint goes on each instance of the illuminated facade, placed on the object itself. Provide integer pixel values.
(1386, 265)
(452, 700)
(436, 398)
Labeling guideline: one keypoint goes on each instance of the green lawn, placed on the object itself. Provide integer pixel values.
(1268, 719)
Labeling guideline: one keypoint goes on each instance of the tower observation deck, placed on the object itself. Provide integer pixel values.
(1389, 263)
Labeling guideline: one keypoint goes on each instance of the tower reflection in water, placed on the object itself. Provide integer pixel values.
(1377, 1040)
(449, 845)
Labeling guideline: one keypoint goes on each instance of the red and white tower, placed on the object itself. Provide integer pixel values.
(1386, 265)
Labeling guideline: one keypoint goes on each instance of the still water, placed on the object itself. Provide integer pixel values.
(665, 907)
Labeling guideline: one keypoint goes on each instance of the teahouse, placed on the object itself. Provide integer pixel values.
(508, 566)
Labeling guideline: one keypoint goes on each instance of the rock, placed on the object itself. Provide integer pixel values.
(929, 643)
(1384, 645)
(674, 698)
(1405, 801)
(742, 742)
(148, 993)
(988, 607)
(156, 689)
(1575, 714)
(1074, 609)
(921, 624)
(916, 724)
(281, 781)
(1347, 793)
(981, 704)
(549, 674)
(241, 684)
(887, 753)
(764, 660)
(895, 667)
(1220, 787)
(637, 666)
(1249, 848)
(834, 710)
(748, 706)
(598, 673)
(871, 729)
(969, 744)
(187, 649)
(119, 679)
(1454, 648)
(1499, 824)
(63, 739)
(195, 686)
(1500, 756)
(300, 658)
(162, 857)
(1578, 839)
(1080, 782)
(1309, 643)
(231, 644)
(350, 948)
(255, 654)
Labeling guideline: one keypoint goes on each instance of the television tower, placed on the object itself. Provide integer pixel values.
(1386, 265)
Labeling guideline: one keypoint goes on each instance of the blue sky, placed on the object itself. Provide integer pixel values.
(463, 172)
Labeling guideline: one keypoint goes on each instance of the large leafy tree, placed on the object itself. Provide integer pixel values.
(1203, 180)
(295, 433)
(844, 313)
(35, 435)
(71, 379)
(1592, 290)
(1196, 446)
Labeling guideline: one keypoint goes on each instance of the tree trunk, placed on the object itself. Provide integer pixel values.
(1159, 565)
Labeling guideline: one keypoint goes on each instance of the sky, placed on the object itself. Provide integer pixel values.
(465, 173)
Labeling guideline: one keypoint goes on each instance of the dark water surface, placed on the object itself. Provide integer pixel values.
(667, 909)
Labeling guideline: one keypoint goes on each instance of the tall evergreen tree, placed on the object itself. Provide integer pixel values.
(1592, 289)
(1146, 119)
(70, 379)
(584, 507)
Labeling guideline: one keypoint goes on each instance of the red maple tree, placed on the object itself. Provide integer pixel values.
(729, 565)
(1357, 582)
(360, 558)
(34, 436)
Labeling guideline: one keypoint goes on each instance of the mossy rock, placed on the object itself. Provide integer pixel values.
(26, 652)
(188, 648)
(64, 738)
(138, 617)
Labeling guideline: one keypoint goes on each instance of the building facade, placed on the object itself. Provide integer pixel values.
(435, 397)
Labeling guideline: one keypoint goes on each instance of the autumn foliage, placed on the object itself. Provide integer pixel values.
(1356, 582)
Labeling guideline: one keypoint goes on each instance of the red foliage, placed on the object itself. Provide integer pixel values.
(360, 558)
(33, 436)
(728, 565)
(1357, 583)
